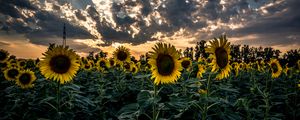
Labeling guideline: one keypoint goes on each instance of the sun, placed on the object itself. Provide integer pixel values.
(121, 55)
(60, 64)
(165, 66)
(275, 68)
(219, 50)
(25, 79)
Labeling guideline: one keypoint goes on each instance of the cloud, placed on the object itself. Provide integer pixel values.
(140, 21)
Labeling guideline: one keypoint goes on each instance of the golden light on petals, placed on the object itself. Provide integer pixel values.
(165, 65)
(219, 50)
(60, 64)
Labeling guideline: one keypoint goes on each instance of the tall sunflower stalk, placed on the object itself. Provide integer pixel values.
(165, 68)
(59, 64)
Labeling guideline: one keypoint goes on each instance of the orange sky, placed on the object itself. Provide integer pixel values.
(19, 46)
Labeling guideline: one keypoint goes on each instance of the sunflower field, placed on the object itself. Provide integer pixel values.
(213, 80)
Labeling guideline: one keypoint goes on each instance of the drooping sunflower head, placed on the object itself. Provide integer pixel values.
(275, 68)
(60, 64)
(11, 73)
(186, 63)
(25, 79)
(121, 55)
(4, 55)
(219, 50)
(165, 65)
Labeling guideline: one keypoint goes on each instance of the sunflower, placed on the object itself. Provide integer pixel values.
(103, 64)
(202, 91)
(244, 66)
(12, 63)
(25, 79)
(220, 55)
(21, 63)
(127, 66)
(11, 73)
(260, 65)
(287, 71)
(60, 64)
(4, 55)
(201, 60)
(186, 63)
(87, 66)
(112, 62)
(201, 70)
(3, 66)
(275, 68)
(121, 55)
(30, 64)
(134, 69)
(236, 68)
(165, 65)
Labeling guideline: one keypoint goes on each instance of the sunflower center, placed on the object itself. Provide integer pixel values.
(122, 55)
(112, 62)
(12, 73)
(274, 67)
(2, 56)
(165, 64)
(185, 63)
(102, 64)
(222, 57)
(87, 66)
(127, 66)
(25, 78)
(22, 63)
(133, 69)
(60, 64)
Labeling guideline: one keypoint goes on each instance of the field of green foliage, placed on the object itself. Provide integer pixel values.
(260, 85)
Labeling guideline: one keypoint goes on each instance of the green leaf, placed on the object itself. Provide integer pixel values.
(129, 112)
(142, 76)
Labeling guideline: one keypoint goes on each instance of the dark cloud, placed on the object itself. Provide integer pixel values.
(279, 29)
(8, 7)
(80, 16)
(147, 9)
(53, 27)
(282, 21)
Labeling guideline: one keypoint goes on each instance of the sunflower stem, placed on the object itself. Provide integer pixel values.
(154, 111)
(205, 109)
(58, 99)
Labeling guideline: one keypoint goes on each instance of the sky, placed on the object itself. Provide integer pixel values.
(28, 26)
